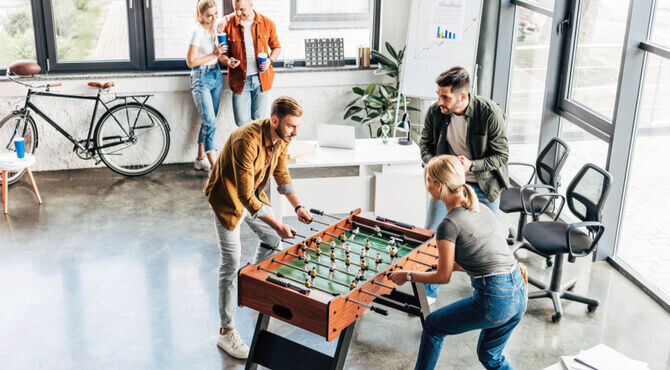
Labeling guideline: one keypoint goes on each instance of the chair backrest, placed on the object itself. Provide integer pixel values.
(550, 161)
(587, 192)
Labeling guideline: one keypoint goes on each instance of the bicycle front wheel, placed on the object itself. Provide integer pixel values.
(25, 126)
(132, 139)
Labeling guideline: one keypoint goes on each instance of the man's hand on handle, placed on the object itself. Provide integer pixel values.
(303, 215)
(285, 231)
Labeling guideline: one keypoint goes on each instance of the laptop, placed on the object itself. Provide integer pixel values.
(336, 136)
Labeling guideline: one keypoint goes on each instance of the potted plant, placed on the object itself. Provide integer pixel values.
(377, 102)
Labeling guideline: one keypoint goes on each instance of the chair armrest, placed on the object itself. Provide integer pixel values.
(546, 195)
(591, 225)
(526, 165)
(534, 186)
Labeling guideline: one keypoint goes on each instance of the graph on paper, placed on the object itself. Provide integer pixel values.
(441, 34)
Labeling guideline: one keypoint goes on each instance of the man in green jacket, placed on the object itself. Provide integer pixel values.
(472, 128)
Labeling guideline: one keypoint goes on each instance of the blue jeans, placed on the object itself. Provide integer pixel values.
(252, 103)
(437, 211)
(206, 88)
(496, 306)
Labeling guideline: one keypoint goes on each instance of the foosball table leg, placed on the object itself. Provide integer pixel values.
(420, 294)
(276, 352)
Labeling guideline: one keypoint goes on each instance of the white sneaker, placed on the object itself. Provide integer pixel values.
(202, 164)
(233, 345)
(431, 300)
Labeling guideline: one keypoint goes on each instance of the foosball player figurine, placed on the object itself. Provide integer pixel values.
(318, 240)
(342, 237)
(378, 231)
(393, 253)
(317, 251)
(378, 261)
(359, 275)
(347, 248)
(364, 267)
(354, 232)
(312, 274)
(331, 269)
(332, 256)
(306, 258)
(364, 253)
(307, 283)
(390, 244)
(347, 262)
(333, 244)
(352, 286)
(367, 245)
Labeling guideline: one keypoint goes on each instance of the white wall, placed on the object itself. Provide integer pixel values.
(323, 96)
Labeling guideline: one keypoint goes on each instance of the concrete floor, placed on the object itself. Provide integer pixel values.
(114, 272)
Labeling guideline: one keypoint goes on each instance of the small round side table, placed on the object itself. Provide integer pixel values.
(9, 162)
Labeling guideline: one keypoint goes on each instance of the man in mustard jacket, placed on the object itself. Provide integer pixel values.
(252, 154)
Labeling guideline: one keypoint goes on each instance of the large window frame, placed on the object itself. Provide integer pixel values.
(619, 132)
(141, 42)
(300, 21)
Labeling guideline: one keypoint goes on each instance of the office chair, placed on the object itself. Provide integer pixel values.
(585, 197)
(548, 165)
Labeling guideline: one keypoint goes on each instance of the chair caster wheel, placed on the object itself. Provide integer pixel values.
(555, 318)
(549, 262)
(591, 308)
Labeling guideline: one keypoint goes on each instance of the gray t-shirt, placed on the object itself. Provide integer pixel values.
(481, 248)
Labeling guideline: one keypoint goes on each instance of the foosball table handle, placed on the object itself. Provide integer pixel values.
(380, 311)
(316, 211)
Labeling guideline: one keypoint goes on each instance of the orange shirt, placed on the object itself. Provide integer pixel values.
(265, 36)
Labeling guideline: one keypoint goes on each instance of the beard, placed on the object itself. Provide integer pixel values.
(281, 135)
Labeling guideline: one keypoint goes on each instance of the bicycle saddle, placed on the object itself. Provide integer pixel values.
(24, 67)
(101, 85)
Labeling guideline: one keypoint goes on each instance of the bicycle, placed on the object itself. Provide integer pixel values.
(131, 138)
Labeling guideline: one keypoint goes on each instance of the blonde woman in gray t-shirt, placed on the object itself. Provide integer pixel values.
(469, 240)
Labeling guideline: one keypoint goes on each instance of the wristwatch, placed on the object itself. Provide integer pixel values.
(472, 166)
(409, 276)
(298, 207)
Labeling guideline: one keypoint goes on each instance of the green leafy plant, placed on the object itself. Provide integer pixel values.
(376, 104)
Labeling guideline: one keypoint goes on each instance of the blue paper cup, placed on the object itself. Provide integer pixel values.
(20, 146)
(262, 58)
(222, 38)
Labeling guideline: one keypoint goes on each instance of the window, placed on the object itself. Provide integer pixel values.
(121, 35)
(584, 148)
(526, 95)
(601, 27)
(326, 17)
(643, 243)
(16, 32)
(90, 30)
(661, 31)
(314, 14)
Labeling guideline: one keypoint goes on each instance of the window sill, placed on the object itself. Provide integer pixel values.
(154, 74)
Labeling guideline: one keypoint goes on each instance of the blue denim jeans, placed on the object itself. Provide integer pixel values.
(252, 103)
(437, 211)
(496, 306)
(206, 88)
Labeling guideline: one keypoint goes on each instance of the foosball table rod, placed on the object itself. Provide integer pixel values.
(406, 306)
(419, 262)
(355, 242)
(375, 238)
(322, 213)
(399, 236)
(428, 254)
(371, 307)
(317, 262)
(299, 269)
(280, 275)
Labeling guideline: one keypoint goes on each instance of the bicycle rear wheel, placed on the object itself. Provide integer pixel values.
(132, 139)
(8, 128)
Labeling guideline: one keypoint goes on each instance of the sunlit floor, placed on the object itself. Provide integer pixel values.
(113, 272)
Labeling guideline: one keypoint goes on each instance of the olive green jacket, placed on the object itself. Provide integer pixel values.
(485, 139)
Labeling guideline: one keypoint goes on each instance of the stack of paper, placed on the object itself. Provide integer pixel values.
(601, 357)
(297, 149)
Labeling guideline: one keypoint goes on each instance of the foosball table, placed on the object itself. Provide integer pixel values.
(325, 282)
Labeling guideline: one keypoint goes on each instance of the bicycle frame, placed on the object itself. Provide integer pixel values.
(88, 146)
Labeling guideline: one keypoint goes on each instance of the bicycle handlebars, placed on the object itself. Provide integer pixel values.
(15, 78)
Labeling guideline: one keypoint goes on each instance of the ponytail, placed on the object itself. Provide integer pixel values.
(448, 170)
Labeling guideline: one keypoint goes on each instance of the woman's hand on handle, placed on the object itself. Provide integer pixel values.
(399, 277)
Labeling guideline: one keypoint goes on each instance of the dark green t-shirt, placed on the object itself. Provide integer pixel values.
(481, 248)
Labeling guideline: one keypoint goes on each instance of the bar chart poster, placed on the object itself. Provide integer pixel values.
(448, 19)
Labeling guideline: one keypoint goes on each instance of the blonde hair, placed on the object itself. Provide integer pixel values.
(448, 170)
(202, 7)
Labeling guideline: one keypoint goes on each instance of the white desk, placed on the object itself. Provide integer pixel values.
(389, 183)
